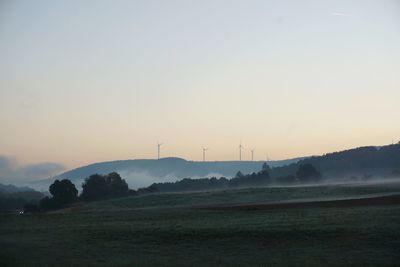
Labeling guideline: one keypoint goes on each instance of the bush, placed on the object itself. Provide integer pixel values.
(98, 187)
(117, 186)
(64, 191)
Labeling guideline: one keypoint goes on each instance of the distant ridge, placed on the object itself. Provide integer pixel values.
(9, 189)
(142, 172)
(358, 163)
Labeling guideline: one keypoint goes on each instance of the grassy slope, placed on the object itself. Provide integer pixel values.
(162, 230)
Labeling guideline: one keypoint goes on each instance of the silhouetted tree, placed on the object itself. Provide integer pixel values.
(261, 178)
(239, 174)
(308, 173)
(263, 175)
(64, 191)
(116, 185)
(94, 188)
(98, 187)
(265, 167)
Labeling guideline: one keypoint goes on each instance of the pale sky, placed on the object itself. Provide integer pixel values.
(87, 81)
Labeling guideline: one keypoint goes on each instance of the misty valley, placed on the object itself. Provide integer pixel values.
(297, 214)
(199, 133)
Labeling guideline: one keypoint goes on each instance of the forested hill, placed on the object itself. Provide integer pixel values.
(362, 162)
(14, 198)
(143, 172)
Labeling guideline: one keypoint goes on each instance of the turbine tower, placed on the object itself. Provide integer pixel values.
(240, 151)
(158, 149)
(252, 154)
(204, 153)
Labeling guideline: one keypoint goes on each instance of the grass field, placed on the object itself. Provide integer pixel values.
(185, 230)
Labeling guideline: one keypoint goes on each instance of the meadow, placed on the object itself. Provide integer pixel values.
(184, 229)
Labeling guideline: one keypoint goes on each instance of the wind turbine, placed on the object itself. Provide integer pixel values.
(158, 149)
(204, 153)
(240, 151)
(252, 154)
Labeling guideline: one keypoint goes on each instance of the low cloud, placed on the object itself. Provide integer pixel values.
(11, 172)
(138, 179)
(7, 165)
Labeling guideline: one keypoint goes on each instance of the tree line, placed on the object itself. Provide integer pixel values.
(306, 173)
(99, 187)
(353, 164)
(95, 187)
(16, 200)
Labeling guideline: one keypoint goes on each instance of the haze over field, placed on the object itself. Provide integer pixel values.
(200, 133)
(91, 81)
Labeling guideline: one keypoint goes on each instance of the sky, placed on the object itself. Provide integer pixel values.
(88, 81)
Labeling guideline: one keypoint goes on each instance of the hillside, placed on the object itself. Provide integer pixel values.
(355, 164)
(8, 189)
(143, 172)
(14, 198)
(359, 163)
